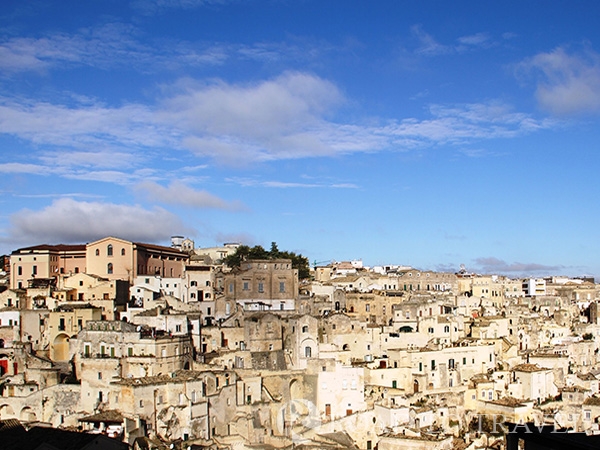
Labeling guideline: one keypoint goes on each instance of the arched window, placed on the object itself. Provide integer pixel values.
(122, 252)
(97, 252)
(109, 250)
(208, 283)
(109, 268)
(305, 329)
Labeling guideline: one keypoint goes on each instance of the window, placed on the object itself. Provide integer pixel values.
(109, 250)
(193, 283)
(109, 268)
(307, 352)
(305, 329)
(433, 364)
(19, 270)
(282, 286)
(367, 307)
(34, 270)
(97, 252)
(246, 286)
(261, 287)
(122, 252)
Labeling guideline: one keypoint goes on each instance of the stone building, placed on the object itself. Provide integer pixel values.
(64, 323)
(119, 259)
(261, 285)
(45, 261)
(126, 350)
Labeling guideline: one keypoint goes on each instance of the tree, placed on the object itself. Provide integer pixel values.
(245, 253)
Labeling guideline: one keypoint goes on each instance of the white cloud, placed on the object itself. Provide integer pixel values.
(248, 182)
(287, 117)
(427, 44)
(178, 193)
(568, 83)
(475, 40)
(81, 126)
(276, 119)
(13, 168)
(104, 46)
(67, 221)
(108, 158)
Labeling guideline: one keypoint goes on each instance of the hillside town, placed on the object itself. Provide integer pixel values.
(131, 345)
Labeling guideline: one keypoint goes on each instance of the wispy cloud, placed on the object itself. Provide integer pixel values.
(104, 46)
(119, 45)
(178, 193)
(248, 182)
(429, 46)
(67, 221)
(16, 168)
(81, 126)
(567, 84)
(498, 266)
(287, 117)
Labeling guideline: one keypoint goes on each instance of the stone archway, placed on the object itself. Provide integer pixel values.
(6, 412)
(28, 415)
(60, 348)
(295, 389)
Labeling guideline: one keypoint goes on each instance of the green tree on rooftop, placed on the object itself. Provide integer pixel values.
(246, 253)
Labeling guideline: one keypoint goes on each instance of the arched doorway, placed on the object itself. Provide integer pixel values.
(28, 415)
(416, 386)
(6, 412)
(60, 348)
(295, 389)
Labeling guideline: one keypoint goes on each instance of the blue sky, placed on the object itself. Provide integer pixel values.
(427, 133)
